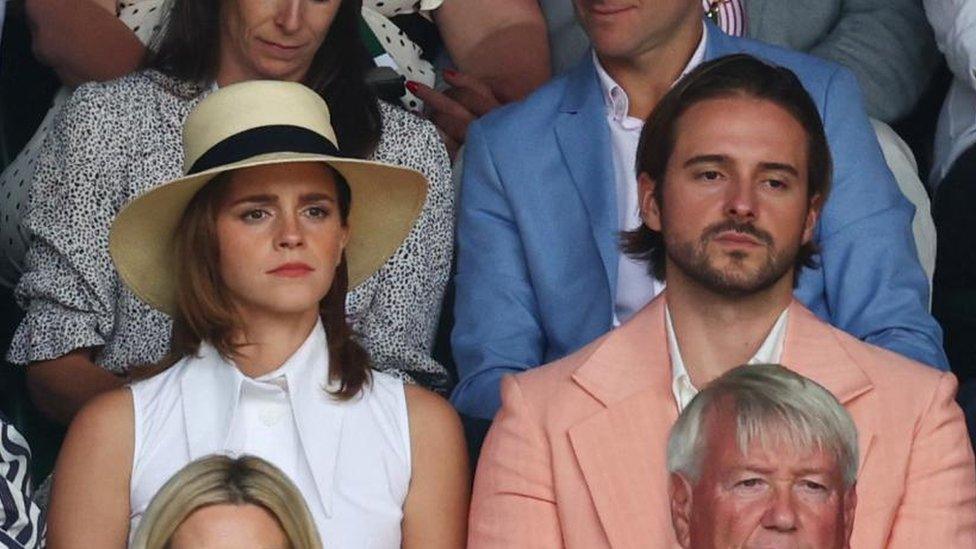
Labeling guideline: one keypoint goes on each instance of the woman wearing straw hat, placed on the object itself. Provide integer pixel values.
(84, 330)
(251, 252)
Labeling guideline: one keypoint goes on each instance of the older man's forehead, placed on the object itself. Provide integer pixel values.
(773, 448)
(776, 455)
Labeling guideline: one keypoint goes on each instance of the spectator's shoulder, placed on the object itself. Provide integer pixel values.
(158, 379)
(905, 386)
(398, 121)
(135, 96)
(537, 111)
(413, 142)
(815, 73)
(552, 392)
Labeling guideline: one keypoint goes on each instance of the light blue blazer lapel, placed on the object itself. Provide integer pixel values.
(718, 43)
(584, 141)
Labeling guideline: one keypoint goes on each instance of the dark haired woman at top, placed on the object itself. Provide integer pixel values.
(251, 253)
(83, 330)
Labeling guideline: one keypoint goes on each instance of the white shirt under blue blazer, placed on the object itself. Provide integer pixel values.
(538, 230)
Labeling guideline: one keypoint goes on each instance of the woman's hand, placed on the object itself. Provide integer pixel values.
(455, 108)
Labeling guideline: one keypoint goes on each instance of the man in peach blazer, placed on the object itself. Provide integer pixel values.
(733, 166)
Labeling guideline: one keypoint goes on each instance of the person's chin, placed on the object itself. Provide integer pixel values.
(774, 544)
(610, 45)
(295, 295)
(293, 308)
(276, 69)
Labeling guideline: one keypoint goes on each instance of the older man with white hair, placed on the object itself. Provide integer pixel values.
(763, 457)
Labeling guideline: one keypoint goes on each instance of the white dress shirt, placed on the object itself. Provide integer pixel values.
(349, 459)
(635, 286)
(768, 353)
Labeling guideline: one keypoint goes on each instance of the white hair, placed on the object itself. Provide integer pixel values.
(771, 404)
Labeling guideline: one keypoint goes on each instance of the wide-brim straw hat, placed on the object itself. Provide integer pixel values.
(254, 124)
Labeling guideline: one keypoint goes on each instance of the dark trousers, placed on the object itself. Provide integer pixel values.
(954, 283)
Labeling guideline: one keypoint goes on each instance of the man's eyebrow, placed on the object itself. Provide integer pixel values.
(768, 470)
(706, 159)
(811, 471)
(780, 166)
(751, 468)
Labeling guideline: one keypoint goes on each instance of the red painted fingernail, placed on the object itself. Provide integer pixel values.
(412, 86)
(450, 73)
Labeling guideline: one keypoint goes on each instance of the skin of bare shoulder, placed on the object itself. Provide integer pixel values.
(90, 495)
(436, 510)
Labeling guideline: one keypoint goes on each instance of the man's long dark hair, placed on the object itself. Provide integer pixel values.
(189, 50)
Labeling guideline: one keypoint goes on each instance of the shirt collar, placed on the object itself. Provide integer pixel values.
(769, 352)
(211, 389)
(614, 96)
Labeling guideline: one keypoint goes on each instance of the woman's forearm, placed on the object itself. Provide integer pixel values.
(501, 42)
(60, 387)
(83, 40)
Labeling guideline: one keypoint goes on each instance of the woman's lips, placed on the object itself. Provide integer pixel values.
(291, 270)
(280, 50)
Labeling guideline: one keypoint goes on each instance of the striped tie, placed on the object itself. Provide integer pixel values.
(729, 15)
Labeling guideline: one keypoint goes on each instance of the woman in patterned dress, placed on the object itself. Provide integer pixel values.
(82, 40)
(84, 331)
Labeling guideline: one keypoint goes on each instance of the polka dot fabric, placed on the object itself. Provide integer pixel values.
(144, 18)
(404, 53)
(118, 139)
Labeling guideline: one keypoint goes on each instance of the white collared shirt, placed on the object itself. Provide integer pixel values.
(264, 424)
(349, 459)
(635, 286)
(769, 352)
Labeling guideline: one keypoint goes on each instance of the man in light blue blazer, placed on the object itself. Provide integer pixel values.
(539, 266)
(887, 44)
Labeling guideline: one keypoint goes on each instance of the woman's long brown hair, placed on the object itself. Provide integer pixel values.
(205, 310)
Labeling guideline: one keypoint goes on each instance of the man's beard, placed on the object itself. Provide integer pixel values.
(693, 260)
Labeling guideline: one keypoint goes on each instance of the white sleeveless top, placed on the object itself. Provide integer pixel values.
(350, 459)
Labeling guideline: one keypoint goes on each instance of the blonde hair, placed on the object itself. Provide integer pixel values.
(770, 403)
(215, 480)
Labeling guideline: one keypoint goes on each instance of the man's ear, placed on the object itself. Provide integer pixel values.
(680, 491)
(850, 505)
(813, 214)
(650, 209)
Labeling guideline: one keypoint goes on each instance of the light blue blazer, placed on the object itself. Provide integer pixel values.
(538, 235)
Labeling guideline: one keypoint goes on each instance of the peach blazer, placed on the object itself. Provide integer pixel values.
(576, 456)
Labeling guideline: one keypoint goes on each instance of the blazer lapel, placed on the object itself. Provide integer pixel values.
(812, 349)
(719, 44)
(621, 450)
(584, 141)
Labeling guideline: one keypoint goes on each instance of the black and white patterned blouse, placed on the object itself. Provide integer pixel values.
(21, 520)
(115, 140)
